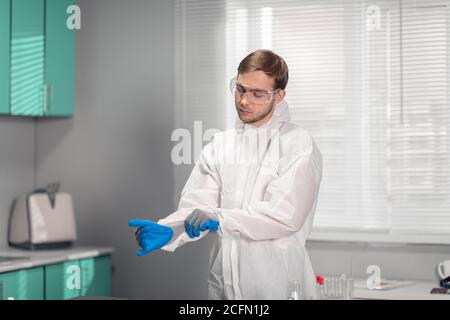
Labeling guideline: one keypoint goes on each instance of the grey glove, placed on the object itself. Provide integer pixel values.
(200, 220)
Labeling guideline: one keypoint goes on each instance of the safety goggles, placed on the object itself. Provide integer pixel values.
(254, 95)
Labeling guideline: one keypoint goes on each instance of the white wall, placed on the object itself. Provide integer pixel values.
(17, 159)
(114, 155)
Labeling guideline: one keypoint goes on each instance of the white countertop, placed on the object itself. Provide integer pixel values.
(36, 258)
(417, 290)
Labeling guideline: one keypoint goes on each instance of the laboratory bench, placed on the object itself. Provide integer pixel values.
(55, 274)
(417, 290)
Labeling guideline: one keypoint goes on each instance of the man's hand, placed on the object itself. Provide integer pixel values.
(150, 235)
(200, 220)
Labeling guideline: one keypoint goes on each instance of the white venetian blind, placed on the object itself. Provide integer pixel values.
(418, 116)
(368, 80)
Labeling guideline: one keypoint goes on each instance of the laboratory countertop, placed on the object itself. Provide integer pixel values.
(12, 259)
(417, 290)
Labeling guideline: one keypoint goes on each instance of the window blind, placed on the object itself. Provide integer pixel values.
(368, 80)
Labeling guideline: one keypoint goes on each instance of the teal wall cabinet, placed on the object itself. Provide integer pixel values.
(59, 59)
(37, 58)
(5, 32)
(27, 58)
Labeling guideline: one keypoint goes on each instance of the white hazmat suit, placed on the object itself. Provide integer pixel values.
(265, 207)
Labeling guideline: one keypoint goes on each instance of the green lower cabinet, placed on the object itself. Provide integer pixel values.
(63, 280)
(71, 279)
(85, 277)
(27, 284)
(96, 276)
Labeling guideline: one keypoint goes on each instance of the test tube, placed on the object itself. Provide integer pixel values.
(333, 288)
(344, 288)
(321, 291)
(337, 288)
(349, 293)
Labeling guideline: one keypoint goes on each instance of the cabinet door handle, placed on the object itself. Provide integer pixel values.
(47, 98)
(50, 94)
(1, 289)
(44, 99)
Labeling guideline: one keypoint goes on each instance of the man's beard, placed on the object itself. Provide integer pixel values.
(260, 116)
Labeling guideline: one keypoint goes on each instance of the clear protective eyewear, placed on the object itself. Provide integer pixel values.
(254, 95)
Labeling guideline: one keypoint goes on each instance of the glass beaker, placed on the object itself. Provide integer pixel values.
(295, 291)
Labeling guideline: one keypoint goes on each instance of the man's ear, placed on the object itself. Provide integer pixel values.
(279, 96)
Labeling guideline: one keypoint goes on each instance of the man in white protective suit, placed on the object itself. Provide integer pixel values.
(257, 187)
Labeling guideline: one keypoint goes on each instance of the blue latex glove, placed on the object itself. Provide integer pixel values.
(151, 236)
(200, 220)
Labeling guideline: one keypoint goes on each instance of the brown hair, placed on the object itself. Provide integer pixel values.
(268, 62)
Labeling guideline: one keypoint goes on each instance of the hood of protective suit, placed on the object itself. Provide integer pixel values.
(280, 115)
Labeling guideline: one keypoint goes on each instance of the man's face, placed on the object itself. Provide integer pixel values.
(252, 113)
